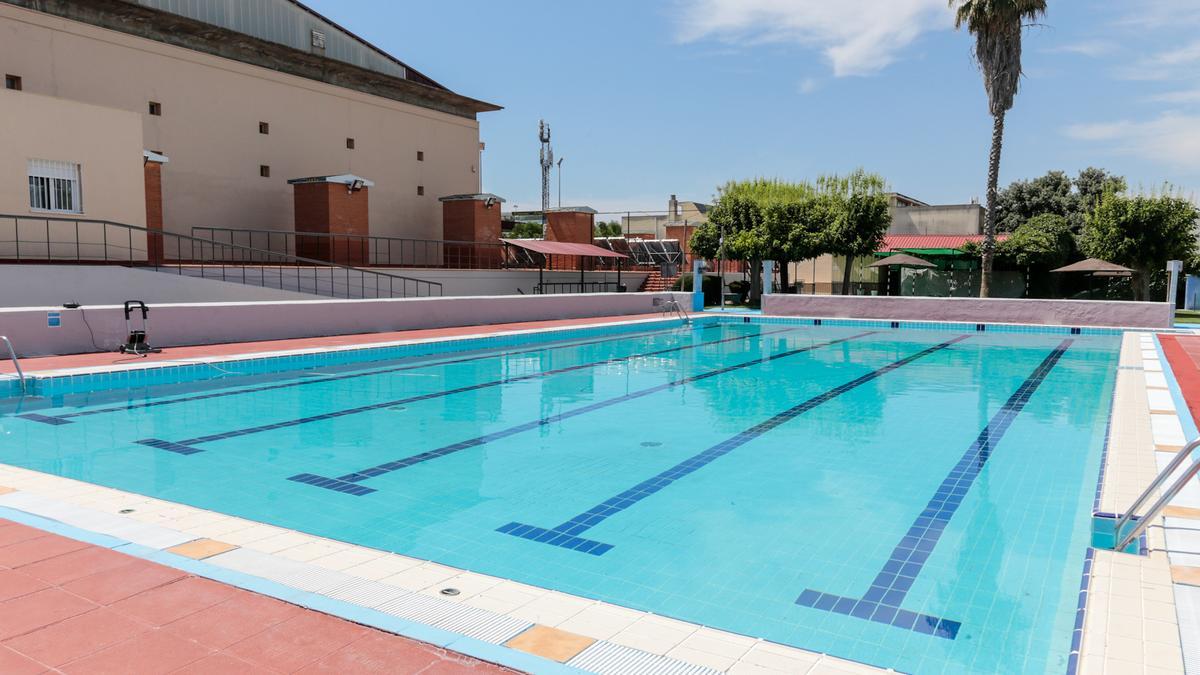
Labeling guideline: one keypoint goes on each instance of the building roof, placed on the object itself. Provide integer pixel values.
(563, 248)
(343, 178)
(914, 242)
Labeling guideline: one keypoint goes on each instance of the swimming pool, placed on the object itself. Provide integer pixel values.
(914, 499)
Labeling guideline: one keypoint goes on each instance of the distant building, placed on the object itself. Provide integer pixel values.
(654, 225)
(922, 229)
(111, 105)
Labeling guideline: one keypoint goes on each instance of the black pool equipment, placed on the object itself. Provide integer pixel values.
(136, 342)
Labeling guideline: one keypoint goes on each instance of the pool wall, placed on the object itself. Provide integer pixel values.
(991, 310)
(33, 332)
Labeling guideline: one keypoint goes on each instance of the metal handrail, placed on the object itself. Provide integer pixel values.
(671, 305)
(12, 354)
(389, 251)
(243, 255)
(1165, 499)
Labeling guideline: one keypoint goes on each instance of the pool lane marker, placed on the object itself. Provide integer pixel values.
(187, 447)
(66, 417)
(566, 535)
(349, 482)
(882, 601)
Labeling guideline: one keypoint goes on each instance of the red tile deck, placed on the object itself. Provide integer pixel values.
(1183, 353)
(71, 607)
(100, 359)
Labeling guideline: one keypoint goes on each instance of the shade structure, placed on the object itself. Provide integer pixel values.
(1093, 266)
(563, 248)
(902, 260)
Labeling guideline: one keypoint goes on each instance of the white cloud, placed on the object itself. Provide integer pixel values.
(1091, 48)
(856, 36)
(807, 86)
(1172, 138)
(1162, 13)
(1183, 96)
(1167, 64)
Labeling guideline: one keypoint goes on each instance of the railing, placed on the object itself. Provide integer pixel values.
(377, 251)
(44, 239)
(373, 251)
(1170, 493)
(557, 287)
(12, 354)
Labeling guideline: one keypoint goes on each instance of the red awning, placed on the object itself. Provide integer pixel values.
(900, 242)
(563, 248)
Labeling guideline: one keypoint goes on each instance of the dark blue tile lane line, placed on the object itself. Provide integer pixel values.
(348, 482)
(882, 601)
(66, 417)
(192, 442)
(566, 535)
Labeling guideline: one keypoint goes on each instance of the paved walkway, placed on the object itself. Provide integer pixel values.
(42, 363)
(71, 607)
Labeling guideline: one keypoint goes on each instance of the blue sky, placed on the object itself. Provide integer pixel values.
(651, 98)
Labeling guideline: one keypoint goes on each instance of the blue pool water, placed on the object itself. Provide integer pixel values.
(918, 500)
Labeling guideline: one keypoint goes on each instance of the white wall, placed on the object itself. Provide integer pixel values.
(51, 285)
(173, 325)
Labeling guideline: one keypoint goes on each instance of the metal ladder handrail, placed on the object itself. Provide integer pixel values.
(1162, 502)
(672, 305)
(12, 354)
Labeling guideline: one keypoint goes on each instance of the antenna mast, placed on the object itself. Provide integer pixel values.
(546, 158)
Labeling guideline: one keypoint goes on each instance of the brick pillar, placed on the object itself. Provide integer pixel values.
(332, 205)
(575, 225)
(684, 234)
(152, 168)
(473, 218)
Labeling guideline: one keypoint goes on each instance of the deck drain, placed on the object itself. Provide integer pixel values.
(449, 591)
(651, 444)
(125, 511)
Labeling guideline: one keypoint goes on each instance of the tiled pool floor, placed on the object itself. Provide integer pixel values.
(606, 633)
(73, 607)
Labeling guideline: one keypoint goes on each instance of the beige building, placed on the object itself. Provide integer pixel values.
(229, 105)
(654, 225)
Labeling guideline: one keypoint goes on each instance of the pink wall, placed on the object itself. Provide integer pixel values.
(974, 310)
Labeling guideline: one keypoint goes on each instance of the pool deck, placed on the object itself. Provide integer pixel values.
(74, 607)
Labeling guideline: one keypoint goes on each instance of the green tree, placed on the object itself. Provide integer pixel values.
(858, 216)
(524, 230)
(997, 26)
(1054, 193)
(1141, 232)
(756, 218)
(1041, 241)
(608, 229)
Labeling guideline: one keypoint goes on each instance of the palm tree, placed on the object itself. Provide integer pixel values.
(996, 25)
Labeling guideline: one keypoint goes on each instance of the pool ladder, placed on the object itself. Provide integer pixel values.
(1152, 513)
(12, 354)
(671, 306)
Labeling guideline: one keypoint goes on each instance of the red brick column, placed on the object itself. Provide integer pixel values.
(575, 225)
(152, 168)
(471, 218)
(332, 205)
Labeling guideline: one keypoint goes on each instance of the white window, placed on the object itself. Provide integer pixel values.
(54, 186)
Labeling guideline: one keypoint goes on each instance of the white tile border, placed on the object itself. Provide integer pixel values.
(1130, 623)
(488, 608)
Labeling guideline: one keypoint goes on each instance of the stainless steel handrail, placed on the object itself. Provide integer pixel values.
(12, 354)
(1162, 502)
